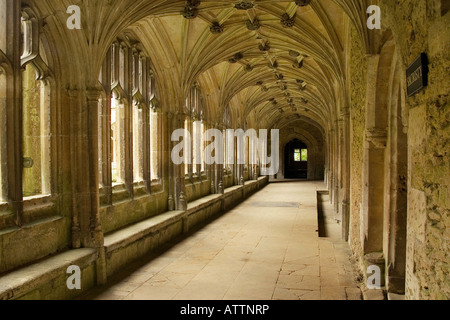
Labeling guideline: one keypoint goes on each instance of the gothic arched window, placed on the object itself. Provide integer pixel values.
(194, 124)
(129, 119)
(35, 111)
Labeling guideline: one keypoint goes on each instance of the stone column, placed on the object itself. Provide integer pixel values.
(14, 149)
(332, 165)
(345, 203)
(171, 177)
(337, 169)
(179, 172)
(96, 234)
(86, 227)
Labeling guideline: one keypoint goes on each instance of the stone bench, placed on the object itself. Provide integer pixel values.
(47, 279)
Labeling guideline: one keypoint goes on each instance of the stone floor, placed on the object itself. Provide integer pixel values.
(267, 248)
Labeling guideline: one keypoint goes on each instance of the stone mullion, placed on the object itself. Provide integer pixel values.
(171, 167)
(180, 185)
(220, 167)
(146, 148)
(106, 130)
(198, 167)
(147, 134)
(128, 120)
(128, 134)
(209, 168)
(162, 148)
(190, 127)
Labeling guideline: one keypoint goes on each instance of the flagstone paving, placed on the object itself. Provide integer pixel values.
(267, 248)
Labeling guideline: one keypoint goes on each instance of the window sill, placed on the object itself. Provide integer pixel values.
(6, 216)
(35, 208)
(120, 192)
(4, 206)
(195, 178)
(38, 207)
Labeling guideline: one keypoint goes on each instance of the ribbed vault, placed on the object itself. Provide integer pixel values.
(264, 60)
(253, 61)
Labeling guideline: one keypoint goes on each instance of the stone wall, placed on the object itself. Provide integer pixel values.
(418, 26)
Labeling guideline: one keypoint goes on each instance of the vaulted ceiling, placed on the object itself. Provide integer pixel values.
(264, 63)
(275, 61)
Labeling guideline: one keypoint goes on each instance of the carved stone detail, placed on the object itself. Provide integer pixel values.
(183, 203)
(193, 3)
(190, 13)
(252, 26)
(273, 65)
(238, 56)
(287, 21)
(279, 76)
(248, 68)
(244, 5)
(171, 203)
(190, 10)
(216, 28)
(298, 64)
(294, 53)
(302, 3)
(264, 47)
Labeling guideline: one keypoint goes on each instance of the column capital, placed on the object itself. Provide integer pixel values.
(93, 94)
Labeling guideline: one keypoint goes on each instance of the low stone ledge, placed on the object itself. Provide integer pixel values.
(20, 283)
(202, 203)
(128, 235)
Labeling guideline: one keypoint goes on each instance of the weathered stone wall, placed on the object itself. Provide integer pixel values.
(358, 76)
(418, 26)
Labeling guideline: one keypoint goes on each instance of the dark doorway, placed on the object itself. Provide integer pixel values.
(296, 160)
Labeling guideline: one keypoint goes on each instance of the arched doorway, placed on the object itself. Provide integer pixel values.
(296, 160)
